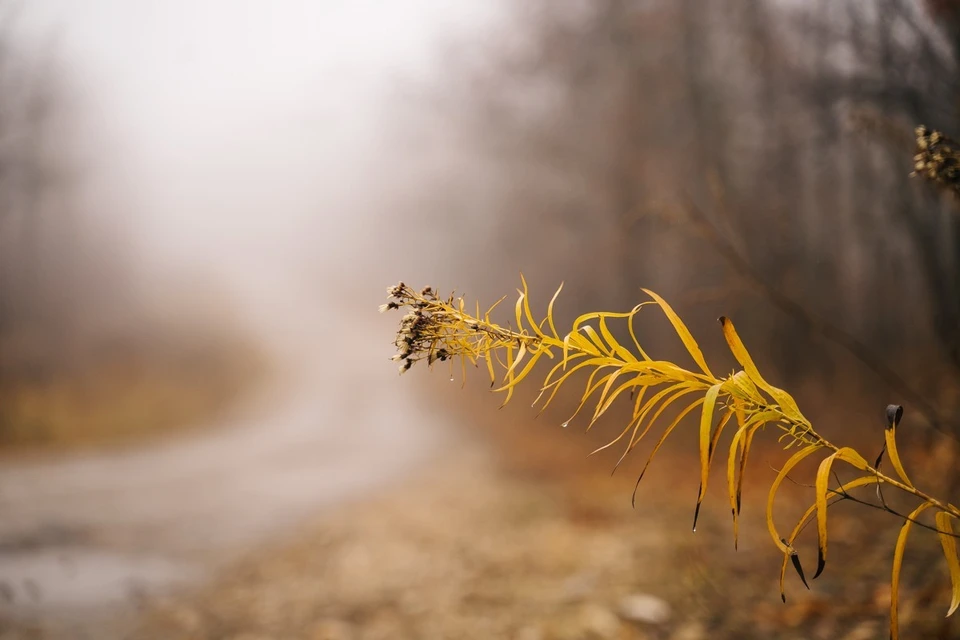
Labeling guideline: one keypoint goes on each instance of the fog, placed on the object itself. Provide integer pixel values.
(239, 137)
(206, 198)
(230, 155)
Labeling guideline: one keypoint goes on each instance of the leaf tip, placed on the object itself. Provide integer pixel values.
(821, 562)
(795, 560)
(696, 515)
(894, 414)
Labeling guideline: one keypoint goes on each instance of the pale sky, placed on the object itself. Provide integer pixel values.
(232, 124)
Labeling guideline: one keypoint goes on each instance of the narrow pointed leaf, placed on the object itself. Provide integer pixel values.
(706, 423)
(740, 445)
(897, 563)
(553, 327)
(714, 439)
(595, 338)
(810, 512)
(692, 347)
(633, 333)
(663, 437)
(795, 559)
(823, 479)
(784, 399)
(822, 482)
(680, 391)
(949, 544)
(531, 363)
(526, 309)
(788, 466)
(894, 413)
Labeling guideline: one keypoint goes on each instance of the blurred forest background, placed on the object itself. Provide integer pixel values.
(749, 158)
(94, 348)
(746, 158)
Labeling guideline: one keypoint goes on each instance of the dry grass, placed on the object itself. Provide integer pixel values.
(126, 393)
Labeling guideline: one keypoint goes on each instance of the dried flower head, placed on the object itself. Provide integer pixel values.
(436, 329)
(937, 159)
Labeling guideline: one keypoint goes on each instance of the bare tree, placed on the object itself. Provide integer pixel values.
(612, 110)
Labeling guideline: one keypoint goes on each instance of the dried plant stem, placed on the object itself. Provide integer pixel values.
(436, 329)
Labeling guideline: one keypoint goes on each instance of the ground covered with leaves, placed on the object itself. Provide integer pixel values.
(526, 538)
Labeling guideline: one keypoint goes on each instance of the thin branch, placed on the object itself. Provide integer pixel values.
(845, 495)
(828, 331)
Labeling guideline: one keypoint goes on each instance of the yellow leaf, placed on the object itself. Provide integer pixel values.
(706, 425)
(897, 562)
(741, 440)
(605, 332)
(853, 484)
(615, 347)
(522, 351)
(591, 333)
(894, 413)
(560, 365)
(626, 429)
(788, 466)
(781, 397)
(692, 347)
(553, 327)
(556, 384)
(486, 316)
(744, 388)
(526, 370)
(566, 350)
(520, 299)
(493, 374)
(526, 309)
(823, 480)
(949, 544)
(680, 389)
(633, 334)
(663, 437)
(583, 344)
(602, 400)
(851, 457)
(637, 381)
(638, 417)
(591, 387)
(509, 388)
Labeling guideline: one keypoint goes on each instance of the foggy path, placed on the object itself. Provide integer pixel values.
(233, 144)
(83, 535)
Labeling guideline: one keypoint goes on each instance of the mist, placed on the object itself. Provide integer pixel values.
(232, 167)
(201, 430)
(240, 141)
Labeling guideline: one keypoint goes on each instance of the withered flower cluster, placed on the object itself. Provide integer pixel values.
(422, 332)
(439, 329)
(937, 158)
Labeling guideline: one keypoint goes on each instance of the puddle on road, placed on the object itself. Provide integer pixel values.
(70, 581)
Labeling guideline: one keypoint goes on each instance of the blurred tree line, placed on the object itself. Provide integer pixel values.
(58, 271)
(750, 158)
(94, 348)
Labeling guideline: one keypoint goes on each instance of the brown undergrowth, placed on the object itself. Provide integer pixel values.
(126, 391)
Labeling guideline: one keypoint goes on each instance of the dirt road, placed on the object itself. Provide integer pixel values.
(84, 537)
